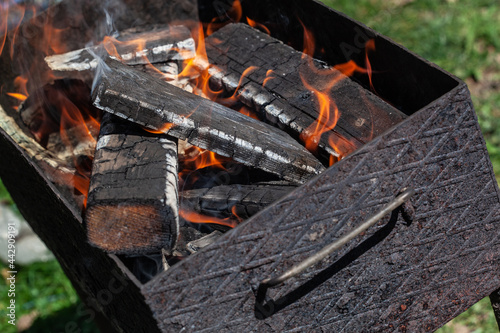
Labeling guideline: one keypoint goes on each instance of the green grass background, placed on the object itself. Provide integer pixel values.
(461, 36)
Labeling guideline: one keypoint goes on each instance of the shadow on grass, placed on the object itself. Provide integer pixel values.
(67, 320)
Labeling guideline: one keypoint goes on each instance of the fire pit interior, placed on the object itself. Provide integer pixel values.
(192, 150)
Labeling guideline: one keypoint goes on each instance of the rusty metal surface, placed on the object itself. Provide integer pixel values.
(398, 277)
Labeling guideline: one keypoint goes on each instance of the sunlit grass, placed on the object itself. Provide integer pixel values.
(43, 291)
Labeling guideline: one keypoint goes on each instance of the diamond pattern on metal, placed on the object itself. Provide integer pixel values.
(396, 277)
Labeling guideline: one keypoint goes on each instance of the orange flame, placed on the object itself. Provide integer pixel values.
(258, 25)
(235, 215)
(327, 119)
(338, 144)
(269, 77)
(370, 47)
(232, 100)
(350, 67)
(201, 158)
(18, 96)
(4, 24)
(321, 84)
(194, 217)
(191, 66)
(72, 118)
(202, 81)
(79, 121)
(18, 11)
(195, 158)
(245, 73)
(236, 11)
(328, 111)
(249, 112)
(7, 7)
(20, 84)
(321, 87)
(137, 45)
(234, 14)
(164, 129)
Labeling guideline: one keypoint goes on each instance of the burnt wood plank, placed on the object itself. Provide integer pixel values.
(132, 205)
(396, 277)
(153, 103)
(225, 200)
(155, 46)
(276, 88)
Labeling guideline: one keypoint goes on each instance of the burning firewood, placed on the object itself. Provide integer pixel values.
(155, 46)
(64, 125)
(132, 205)
(285, 85)
(226, 200)
(153, 103)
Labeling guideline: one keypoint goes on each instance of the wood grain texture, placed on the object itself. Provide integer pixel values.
(275, 86)
(153, 103)
(242, 200)
(133, 204)
(155, 46)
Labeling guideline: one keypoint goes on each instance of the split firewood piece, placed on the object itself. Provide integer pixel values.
(132, 206)
(153, 103)
(274, 86)
(156, 46)
(225, 200)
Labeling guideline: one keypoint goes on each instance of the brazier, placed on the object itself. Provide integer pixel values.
(405, 274)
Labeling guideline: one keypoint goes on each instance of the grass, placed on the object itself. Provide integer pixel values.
(44, 296)
(462, 37)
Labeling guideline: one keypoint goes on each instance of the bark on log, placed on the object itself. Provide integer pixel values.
(219, 201)
(136, 96)
(160, 45)
(132, 204)
(275, 87)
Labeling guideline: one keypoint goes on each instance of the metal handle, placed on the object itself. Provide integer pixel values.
(329, 249)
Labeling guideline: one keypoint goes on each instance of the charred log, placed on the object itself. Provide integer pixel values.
(155, 46)
(153, 103)
(132, 204)
(241, 200)
(273, 81)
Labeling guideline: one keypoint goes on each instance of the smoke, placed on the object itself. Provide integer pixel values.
(100, 54)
